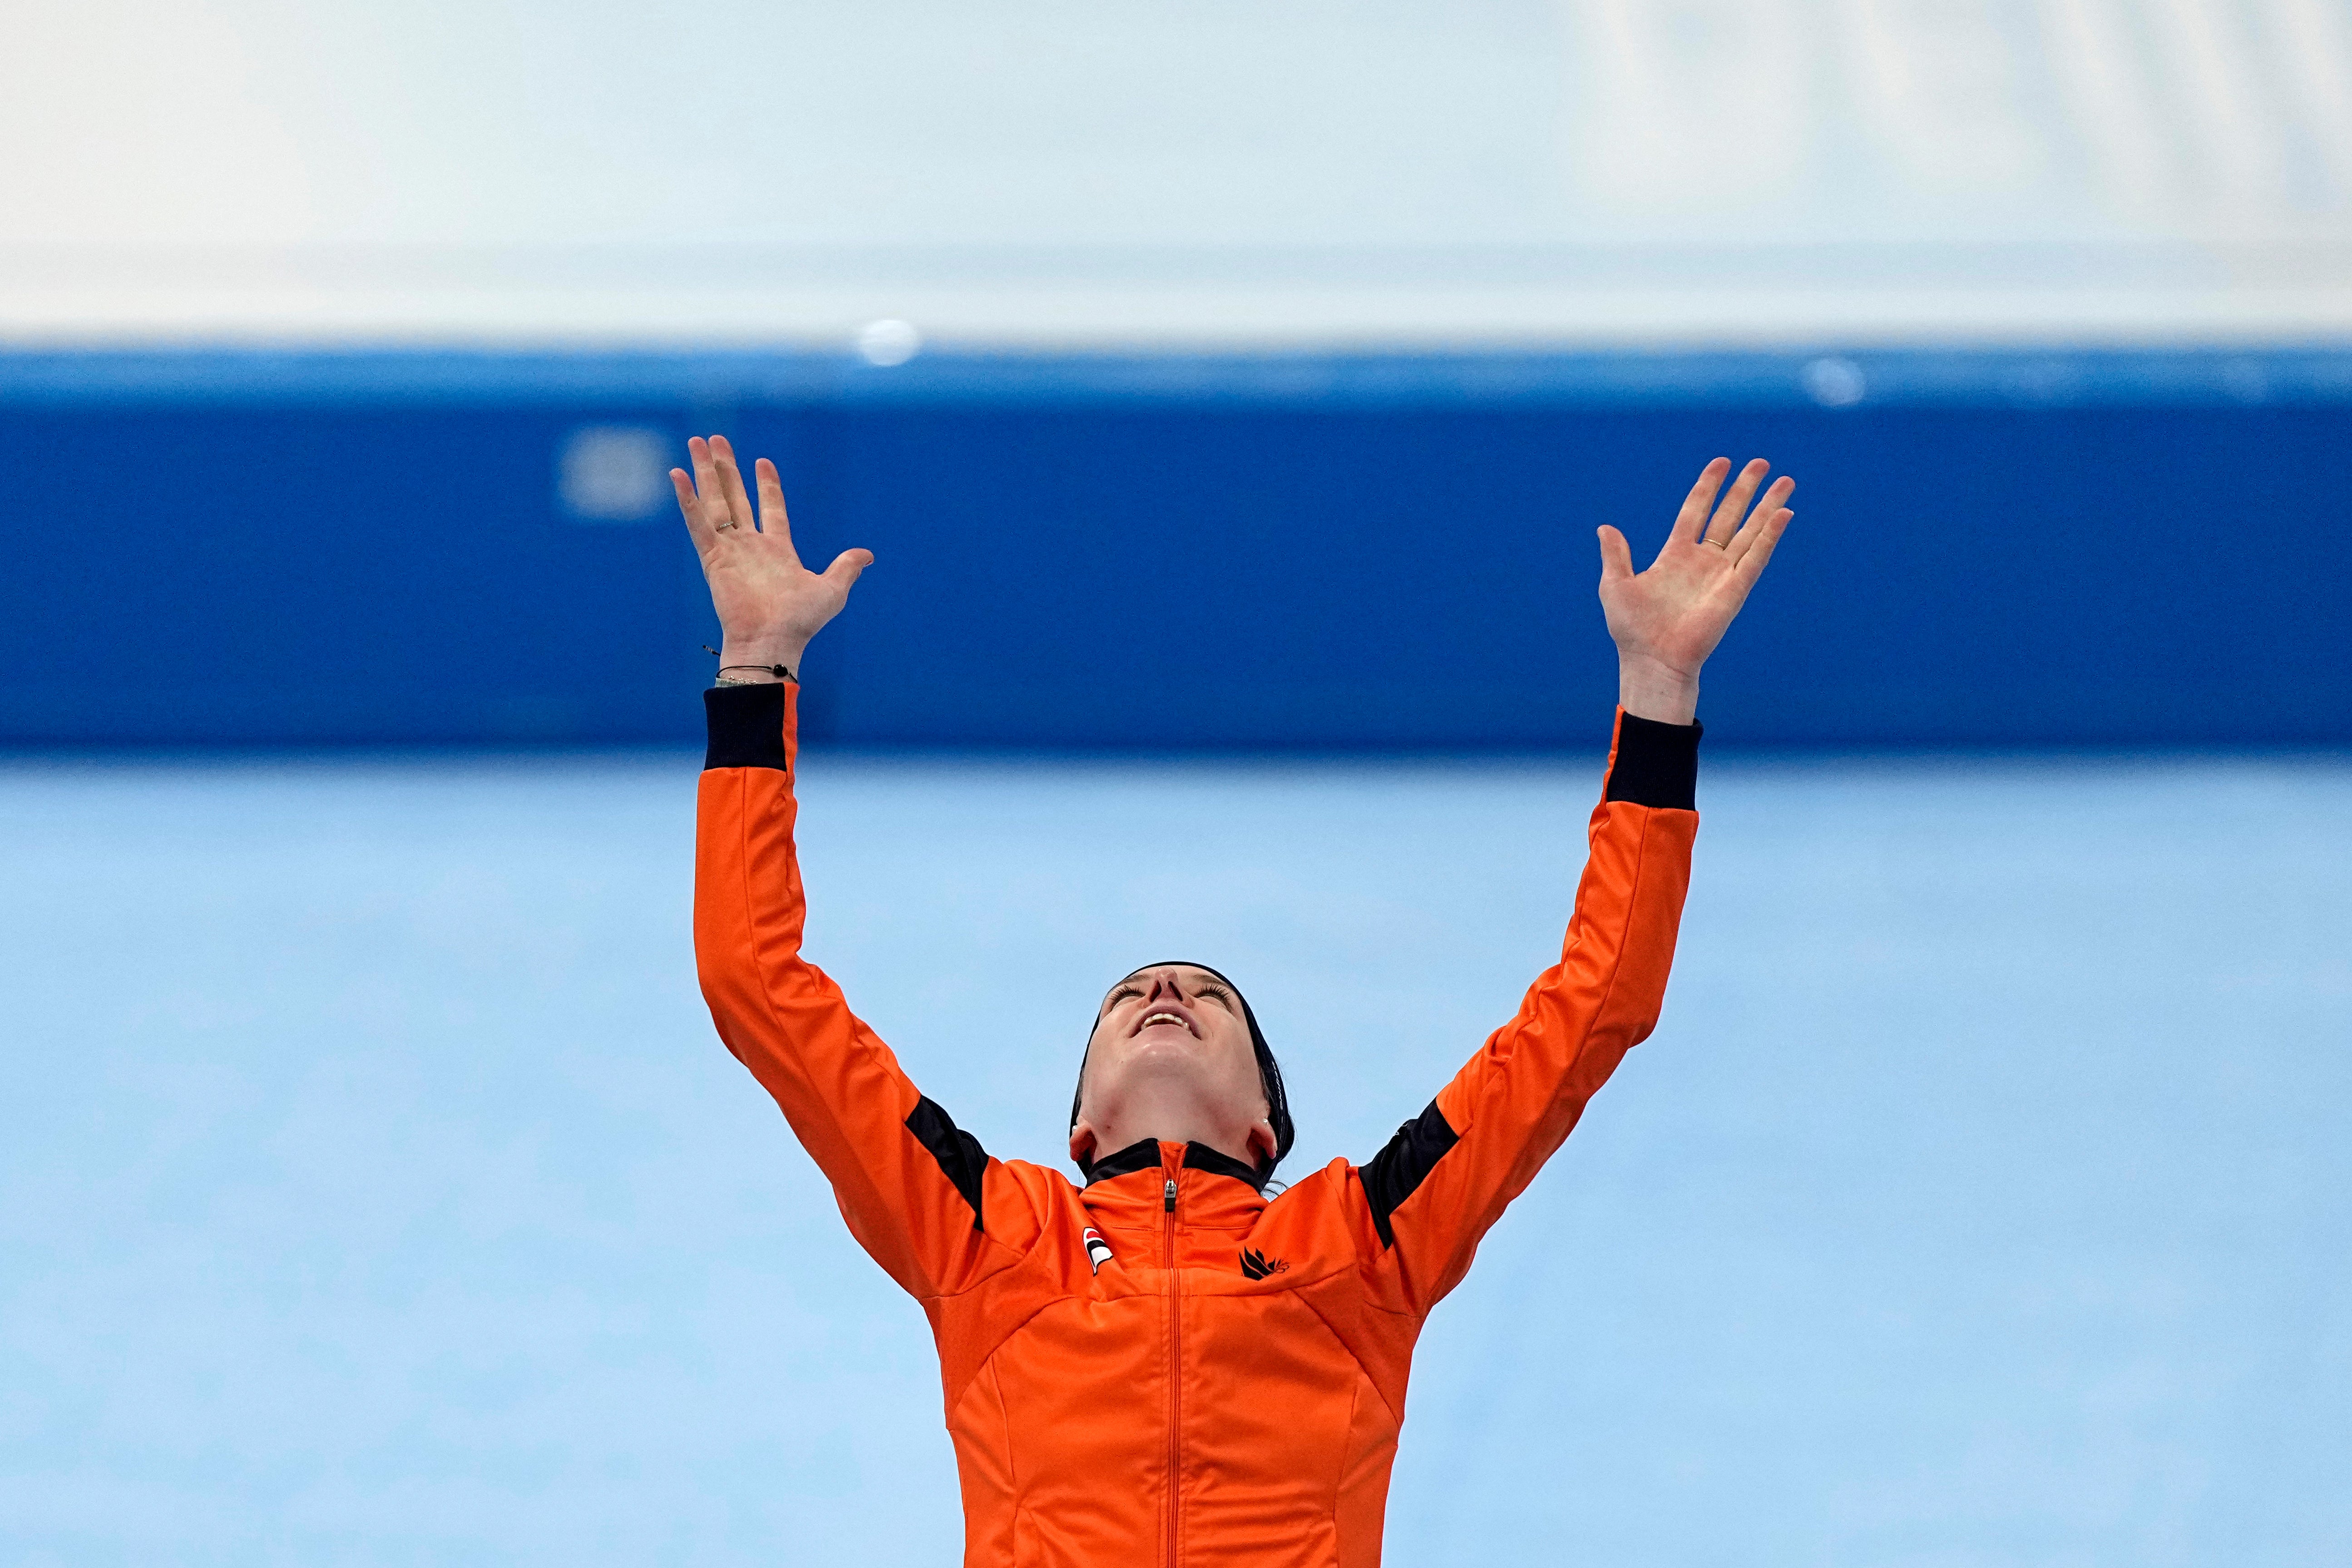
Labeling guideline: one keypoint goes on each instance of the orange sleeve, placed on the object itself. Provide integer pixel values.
(1447, 1175)
(920, 1193)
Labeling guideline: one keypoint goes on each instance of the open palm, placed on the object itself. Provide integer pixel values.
(769, 604)
(1669, 618)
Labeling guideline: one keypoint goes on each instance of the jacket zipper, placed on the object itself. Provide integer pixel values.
(1175, 1369)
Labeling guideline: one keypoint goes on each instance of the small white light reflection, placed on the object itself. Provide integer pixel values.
(614, 473)
(890, 342)
(1834, 382)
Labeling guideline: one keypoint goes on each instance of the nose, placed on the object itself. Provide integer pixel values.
(1164, 985)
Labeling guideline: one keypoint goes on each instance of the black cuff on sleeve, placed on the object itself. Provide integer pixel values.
(747, 726)
(1657, 765)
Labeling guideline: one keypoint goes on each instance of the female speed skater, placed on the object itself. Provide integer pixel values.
(1162, 1364)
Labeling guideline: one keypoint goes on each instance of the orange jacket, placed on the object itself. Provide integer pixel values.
(1165, 1367)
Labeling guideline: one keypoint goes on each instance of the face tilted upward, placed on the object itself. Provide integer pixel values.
(1170, 1041)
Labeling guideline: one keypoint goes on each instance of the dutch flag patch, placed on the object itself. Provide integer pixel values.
(1097, 1250)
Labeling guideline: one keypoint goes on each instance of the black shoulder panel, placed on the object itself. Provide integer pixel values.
(962, 1159)
(1396, 1171)
(1657, 765)
(747, 726)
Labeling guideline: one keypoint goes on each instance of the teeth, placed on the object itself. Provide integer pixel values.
(1164, 1018)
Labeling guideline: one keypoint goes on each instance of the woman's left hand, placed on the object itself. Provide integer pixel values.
(1666, 620)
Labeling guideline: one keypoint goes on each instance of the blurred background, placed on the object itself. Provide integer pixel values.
(1229, 396)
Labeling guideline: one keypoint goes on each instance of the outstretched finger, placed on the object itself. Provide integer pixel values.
(731, 480)
(710, 498)
(1772, 500)
(1735, 503)
(772, 520)
(1751, 565)
(847, 567)
(1702, 496)
(1616, 556)
(697, 524)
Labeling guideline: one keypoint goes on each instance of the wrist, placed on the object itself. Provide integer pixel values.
(1649, 690)
(753, 660)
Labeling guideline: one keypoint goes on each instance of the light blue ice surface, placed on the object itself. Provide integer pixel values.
(375, 1191)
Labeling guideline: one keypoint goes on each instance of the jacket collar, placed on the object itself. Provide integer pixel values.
(1146, 1155)
(1211, 1192)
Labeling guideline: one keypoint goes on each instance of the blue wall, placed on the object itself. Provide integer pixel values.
(1990, 547)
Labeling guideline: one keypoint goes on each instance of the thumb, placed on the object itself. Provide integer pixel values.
(1616, 556)
(845, 567)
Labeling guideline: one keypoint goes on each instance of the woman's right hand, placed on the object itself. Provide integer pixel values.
(769, 604)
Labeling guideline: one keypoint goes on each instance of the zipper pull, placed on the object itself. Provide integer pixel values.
(1170, 1195)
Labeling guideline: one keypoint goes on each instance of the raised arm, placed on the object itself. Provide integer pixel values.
(1438, 1187)
(919, 1194)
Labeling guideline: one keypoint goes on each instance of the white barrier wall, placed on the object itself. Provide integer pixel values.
(1063, 172)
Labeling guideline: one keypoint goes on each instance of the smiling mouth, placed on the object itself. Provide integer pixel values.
(1163, 1016)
